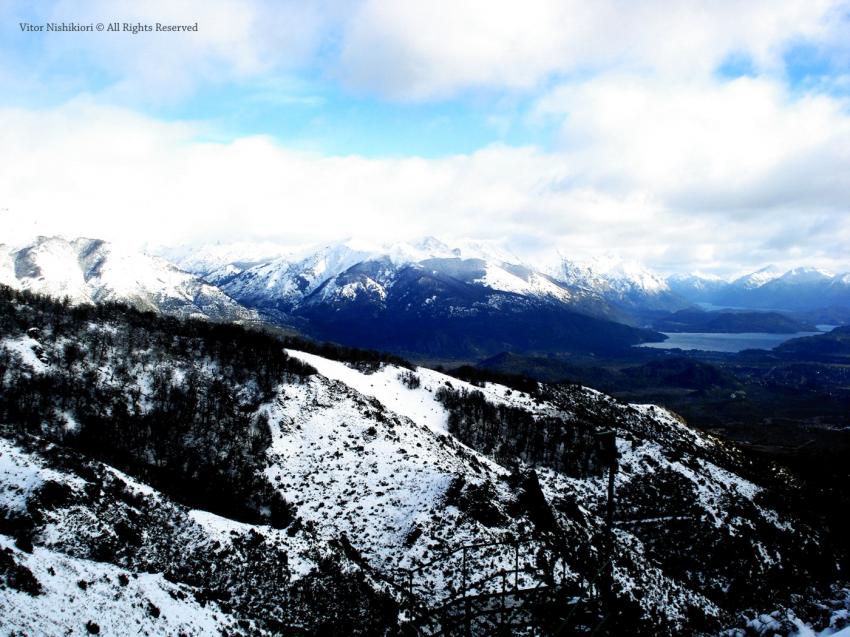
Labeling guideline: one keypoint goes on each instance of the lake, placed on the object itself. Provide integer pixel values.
(723, 342)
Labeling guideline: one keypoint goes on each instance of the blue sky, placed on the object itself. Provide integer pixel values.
(707, 136)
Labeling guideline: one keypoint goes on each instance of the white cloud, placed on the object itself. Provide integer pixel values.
(106, 172)
(416, 50)
(423, 50)
(741, 145)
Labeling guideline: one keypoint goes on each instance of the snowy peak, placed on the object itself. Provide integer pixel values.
(805, 275)
(415, 251)
(695, 280)
(355, 271)
(842, 279)
(425, 248)
(240, 255)
(93, 271)
(622, 283)
(798, 289)
(284, 283)
(366, 281)
(629, 275)
(52, 266)
(611, 273)
(758, 278)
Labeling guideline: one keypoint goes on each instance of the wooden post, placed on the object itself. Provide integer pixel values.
(502, 611)
(516, 565)
(463, 573)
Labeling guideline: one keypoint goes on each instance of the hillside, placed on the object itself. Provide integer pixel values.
(731, 322)
(286, 492)
(832, 345)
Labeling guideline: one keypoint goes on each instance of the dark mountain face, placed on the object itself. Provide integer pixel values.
(834, 344)
(785, 295)
(694, 320)
(435, 309)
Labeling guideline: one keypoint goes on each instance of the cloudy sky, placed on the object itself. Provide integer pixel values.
(712, 136)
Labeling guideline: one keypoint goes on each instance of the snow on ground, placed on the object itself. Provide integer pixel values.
(54, 270)
(224, 530)
(376, 475)
(21, 475)
(419, 404)
(76, 592)
(136, 486)
(363, 455)
(710, 493)
(385, 385)
(26, 347)
(669, 418)
(338, 464)
(351, 467)
(497, 278)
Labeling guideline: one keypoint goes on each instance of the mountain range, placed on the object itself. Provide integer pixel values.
(604, 286)
(428, 298)
(425, 298)
(798, 289)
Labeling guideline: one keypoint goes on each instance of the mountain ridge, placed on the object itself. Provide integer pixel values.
(93, 271)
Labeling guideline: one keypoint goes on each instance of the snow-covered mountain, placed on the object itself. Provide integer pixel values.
(288, 280)
(598, 287)
(94, 271)
(625, 283)
(758, 278)
(357, 484)
(208, 258)
(424, 297)
(696, 287)
(799, 289)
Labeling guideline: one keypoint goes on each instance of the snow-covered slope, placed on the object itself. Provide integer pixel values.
(93, 271)
(388, 459)
(114, 556)
(83, 597)
(282, 282)
(387, 473)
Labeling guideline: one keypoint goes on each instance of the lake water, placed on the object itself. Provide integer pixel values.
(723, 342)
